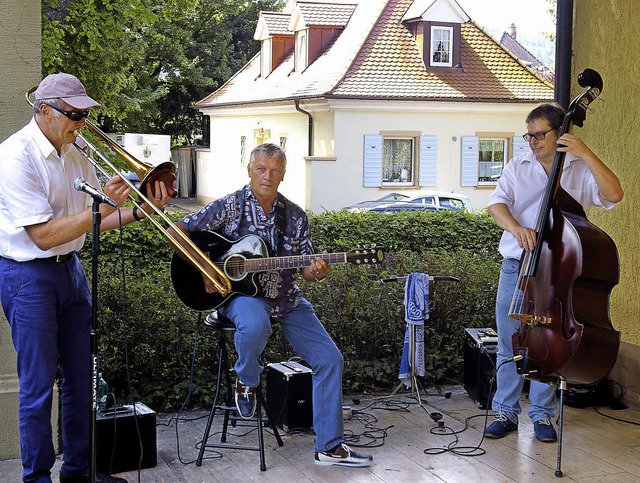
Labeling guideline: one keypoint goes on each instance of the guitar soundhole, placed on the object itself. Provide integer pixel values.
(234, 267)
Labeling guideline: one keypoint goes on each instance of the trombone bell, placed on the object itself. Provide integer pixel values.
(146, 172)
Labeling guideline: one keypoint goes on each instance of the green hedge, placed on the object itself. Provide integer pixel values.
(143, 325)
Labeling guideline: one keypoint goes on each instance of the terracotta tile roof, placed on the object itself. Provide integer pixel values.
(390, 66)
(325, 14)
(375, 57)
(277, 22)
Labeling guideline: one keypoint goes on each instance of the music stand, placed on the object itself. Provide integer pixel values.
(415, 390)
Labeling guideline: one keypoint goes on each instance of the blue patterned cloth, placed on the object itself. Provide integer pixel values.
(416, 305)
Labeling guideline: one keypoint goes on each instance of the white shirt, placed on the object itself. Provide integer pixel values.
(522, 185)
(36, 185)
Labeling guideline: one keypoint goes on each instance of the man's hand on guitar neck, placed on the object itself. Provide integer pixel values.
(317, 270)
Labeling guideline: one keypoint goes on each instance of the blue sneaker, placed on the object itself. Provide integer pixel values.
(500, 427)
(246, 401)
(544, 431)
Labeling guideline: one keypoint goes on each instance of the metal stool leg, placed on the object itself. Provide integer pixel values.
(229, 409)
(222, 366)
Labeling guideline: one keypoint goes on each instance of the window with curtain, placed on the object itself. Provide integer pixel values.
(441, 46)
(398, 156)
(491, 158)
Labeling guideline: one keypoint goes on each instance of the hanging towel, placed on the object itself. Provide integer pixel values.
(416, 308)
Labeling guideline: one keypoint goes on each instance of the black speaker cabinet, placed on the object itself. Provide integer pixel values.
(480, 349)
(289, 395)
(117, 435)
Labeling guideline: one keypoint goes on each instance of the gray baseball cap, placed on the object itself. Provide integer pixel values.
(66, 87)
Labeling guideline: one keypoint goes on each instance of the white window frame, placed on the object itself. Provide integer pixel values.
(432, 46)
(301, 52)
(401, 172)
(265, 57)
(505, 153)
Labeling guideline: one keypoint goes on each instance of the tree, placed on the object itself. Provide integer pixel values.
(149, 61)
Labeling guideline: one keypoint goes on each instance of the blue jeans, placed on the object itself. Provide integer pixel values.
(48, 306)
(509, 384)
(310, 340)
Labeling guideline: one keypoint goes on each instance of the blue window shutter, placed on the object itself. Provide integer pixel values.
(372, 174)
(469, 160)
(519, 146)
(428, 170)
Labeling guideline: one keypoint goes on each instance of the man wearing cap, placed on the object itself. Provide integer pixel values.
(44, 291)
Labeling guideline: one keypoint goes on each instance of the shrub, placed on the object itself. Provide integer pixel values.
(147, 336)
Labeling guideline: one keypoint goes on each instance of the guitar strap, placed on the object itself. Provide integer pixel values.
(280, 224)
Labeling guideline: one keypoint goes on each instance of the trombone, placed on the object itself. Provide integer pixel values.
(148, 174)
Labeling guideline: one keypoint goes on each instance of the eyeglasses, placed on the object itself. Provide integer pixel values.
(538, 136)
(75, 116)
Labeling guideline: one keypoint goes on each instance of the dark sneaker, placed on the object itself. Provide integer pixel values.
(544, 431)
(245, 400)
(500, 427)
(343, 456)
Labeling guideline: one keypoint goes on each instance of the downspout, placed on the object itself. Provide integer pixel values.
(310, 135)
(564, 47)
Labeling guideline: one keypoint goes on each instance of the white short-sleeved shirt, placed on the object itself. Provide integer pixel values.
(36, 185)
(522, 185)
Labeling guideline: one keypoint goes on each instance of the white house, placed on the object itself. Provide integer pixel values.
(368, 97)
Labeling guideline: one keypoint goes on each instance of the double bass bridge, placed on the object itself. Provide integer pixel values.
(532, 320)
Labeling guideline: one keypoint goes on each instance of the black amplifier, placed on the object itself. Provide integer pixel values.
(289, 395)
(480, 349)
(116, 435)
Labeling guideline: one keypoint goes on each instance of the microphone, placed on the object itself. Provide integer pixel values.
(81, 184)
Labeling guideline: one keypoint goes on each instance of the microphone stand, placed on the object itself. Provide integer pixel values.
(95, 243)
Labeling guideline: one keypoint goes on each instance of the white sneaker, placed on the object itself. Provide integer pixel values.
(343, 456)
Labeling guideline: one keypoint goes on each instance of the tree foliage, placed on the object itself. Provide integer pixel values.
(149, 61)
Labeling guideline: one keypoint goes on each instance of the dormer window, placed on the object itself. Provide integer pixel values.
(436, 28)
(316, 26)
(276, 41)
(441, 52)
(301, 59)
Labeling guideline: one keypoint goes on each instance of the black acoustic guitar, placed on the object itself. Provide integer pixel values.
(241, 260)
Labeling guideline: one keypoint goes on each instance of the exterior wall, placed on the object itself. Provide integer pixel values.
(332, 178)
(20, 61)
(610, 130)
(448, 121)
(219, 169)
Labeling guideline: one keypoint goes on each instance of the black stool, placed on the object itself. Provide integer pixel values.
(224, 326)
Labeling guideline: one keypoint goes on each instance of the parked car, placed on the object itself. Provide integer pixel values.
(442, 199)
(451, 201)
(388, 198)
(395, 207)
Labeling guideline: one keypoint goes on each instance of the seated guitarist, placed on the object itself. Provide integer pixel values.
(259, 209)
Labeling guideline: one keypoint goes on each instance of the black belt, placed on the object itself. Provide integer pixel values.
(59, 258)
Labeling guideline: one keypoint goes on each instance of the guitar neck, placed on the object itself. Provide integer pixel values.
(296, 261)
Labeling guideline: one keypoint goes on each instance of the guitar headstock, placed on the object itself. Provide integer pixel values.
(366, 255)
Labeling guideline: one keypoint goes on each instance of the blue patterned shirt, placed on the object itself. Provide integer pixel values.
(239, 214)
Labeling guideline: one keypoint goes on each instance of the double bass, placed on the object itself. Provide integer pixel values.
(564, 284)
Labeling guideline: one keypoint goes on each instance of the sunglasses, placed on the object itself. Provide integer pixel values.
(75, 116)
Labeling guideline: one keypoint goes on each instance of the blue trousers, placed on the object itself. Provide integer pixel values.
(310, 340)
(509, 384)
(48, 306)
